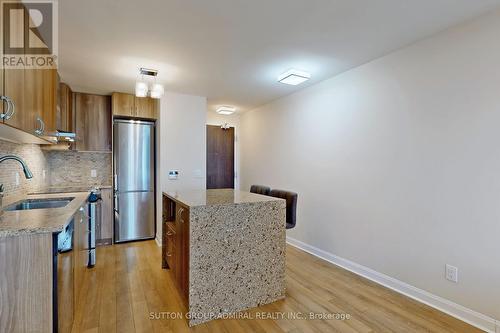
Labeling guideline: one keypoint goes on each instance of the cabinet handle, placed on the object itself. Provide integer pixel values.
(40, 130)
(169, 254)
(169, 233)
(11, 107)
(82, 210)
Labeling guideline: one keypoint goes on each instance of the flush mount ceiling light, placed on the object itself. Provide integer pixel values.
(294, 77)
(225, 110)
(142, 88)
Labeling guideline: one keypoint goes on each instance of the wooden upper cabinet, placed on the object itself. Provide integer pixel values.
(49, 107)
(146, 107)
(33, 100)
(14, 89)
(127, 105)
(92, 122)
(34, 94)
(65, 108)
(123, 105)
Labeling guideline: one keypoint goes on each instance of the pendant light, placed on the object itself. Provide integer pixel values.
(141, 86)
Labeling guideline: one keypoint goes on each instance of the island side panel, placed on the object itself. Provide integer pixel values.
(237, 257)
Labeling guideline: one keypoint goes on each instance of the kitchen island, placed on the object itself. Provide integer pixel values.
(226, 250)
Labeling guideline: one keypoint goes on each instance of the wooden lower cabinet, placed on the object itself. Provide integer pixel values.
(26, 264)
(176, 244)
(80, 254)
(66, 291)
(170, 253)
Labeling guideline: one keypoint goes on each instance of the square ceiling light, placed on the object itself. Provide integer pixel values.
(294, 77)
(225, 110)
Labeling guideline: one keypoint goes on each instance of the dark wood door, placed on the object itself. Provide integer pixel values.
(220, 157)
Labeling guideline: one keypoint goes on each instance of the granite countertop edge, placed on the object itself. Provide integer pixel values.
(198, 198)
(69, 189)
(40, 221)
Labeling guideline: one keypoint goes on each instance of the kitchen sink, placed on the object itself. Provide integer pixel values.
(38, 204)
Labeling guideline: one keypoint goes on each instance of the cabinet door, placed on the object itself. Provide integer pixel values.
(146, 107)
(79, 259)
(106, 216)
(33, 100)
(170, 249)
(181, 250)
(123, 104)
(93, 122)
(49, 100)
(65, 291)
(34, 94)
(40, 100)
(14, 88)
(65, 118)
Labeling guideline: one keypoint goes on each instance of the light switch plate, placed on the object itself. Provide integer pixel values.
(93, 173)
(17, 179)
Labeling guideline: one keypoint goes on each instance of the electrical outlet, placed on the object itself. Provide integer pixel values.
(93, 173)
(44, 172)
(173, 174)
(17, 179)
(451, 273)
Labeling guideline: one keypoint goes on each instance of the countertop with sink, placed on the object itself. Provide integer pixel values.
(42, 220)
(69, 189)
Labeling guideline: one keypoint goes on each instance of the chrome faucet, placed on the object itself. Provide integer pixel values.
(26, 170)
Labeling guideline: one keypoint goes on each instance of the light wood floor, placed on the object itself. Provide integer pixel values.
(128, 284)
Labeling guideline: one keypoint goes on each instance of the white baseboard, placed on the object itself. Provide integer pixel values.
(158, 242)
(472, 317)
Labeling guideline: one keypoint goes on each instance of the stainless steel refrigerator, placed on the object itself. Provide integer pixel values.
(134, 179)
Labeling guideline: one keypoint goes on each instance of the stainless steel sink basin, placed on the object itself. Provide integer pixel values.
(38, 204)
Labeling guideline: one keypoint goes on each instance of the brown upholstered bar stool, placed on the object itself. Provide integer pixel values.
(291, 205)
(260, 189)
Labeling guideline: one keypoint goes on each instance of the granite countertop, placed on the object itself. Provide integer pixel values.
(195, 198)
(69, 189)
(35, 221)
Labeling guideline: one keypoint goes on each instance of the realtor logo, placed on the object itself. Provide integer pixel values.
(29, 34)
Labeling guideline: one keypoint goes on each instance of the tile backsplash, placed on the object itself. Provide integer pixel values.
(62, 168)
(71, 168)
(34, 158)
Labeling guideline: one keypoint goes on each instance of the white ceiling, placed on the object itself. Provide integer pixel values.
(233, 50)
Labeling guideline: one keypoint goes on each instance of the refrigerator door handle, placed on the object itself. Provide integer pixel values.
(115, 206)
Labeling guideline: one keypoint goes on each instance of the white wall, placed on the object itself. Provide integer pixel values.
(397, 163)
(182, 145)
(213, 118)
